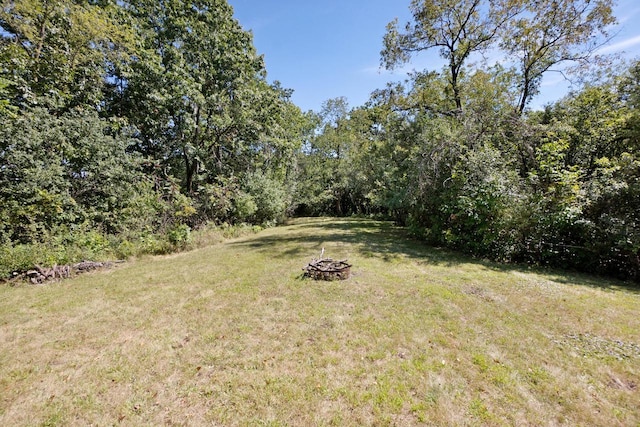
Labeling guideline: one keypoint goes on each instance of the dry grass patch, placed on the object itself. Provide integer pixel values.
(231, 335)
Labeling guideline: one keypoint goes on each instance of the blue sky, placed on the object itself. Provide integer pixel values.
(330, 48)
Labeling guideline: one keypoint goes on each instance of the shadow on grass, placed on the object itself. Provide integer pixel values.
(303, 238)
(590, 280)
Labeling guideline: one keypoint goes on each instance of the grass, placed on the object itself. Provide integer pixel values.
(232, 335)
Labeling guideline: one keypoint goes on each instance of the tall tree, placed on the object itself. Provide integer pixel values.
(549, 32)
(457, 28)
(198, 94)
(321, 161)
(60, 52)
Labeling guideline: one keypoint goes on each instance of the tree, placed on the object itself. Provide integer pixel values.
(321, 159)
(63, 171)
(199, 95)
(550, 32)
(6, 109)
(190, 92)
(457, 28)
(59, 52)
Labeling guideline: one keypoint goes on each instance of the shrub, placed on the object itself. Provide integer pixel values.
(179, 236)
(269, 197)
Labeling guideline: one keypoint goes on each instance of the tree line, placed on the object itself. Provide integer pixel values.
(126, 125)
(134, 122)
(459, 157)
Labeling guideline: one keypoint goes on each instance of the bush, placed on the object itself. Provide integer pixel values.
(245, 207)
(269, 197)
(179, 236)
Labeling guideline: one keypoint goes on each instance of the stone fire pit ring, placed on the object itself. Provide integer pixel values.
(328, 269)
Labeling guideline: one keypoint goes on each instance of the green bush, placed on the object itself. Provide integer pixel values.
(24, 257)
(245, 207)
(269, 197)
(179, 236)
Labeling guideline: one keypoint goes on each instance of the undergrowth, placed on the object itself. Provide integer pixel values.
(98, 246)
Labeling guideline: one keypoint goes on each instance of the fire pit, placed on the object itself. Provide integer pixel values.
(327, 269)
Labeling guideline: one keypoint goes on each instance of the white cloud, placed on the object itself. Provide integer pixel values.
(629, 17)
(553, 80)
(620, 46)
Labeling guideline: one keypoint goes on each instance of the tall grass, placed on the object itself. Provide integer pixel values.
(71, 247)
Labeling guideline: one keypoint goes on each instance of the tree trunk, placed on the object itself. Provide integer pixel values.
(455, 69)
(191, 169)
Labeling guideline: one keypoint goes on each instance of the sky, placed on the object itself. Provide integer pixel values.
(331, 48)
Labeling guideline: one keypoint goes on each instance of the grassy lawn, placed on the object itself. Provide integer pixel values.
(232, 335)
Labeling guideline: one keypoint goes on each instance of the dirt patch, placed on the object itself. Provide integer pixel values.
(620, 384)
(588, 345)
(479, 292)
